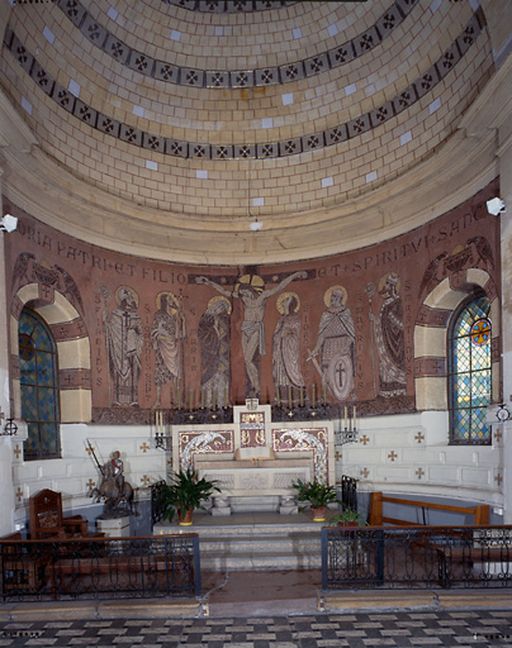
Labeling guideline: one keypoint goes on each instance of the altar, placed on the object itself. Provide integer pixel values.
(256, 458)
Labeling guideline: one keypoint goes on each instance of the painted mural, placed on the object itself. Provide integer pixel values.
(337, 330)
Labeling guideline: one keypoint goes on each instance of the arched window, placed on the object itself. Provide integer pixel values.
(470, 380)
(39, 389)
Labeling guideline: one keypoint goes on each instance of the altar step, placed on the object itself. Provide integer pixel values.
(236, 544)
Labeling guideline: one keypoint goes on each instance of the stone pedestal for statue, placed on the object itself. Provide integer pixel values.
(114, 527)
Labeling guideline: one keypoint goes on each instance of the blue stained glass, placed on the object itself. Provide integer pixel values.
(462, 355)
(29, 403)
(45, 368)
(481, 356)
(42, 340)
(39, 390)
(470, 373)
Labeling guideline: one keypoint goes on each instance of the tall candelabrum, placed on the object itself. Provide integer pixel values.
(346, 430)
(162, 431)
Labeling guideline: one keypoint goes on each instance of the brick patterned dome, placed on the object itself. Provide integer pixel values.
(167, 128)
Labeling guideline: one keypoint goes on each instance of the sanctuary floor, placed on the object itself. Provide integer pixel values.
(402, 629)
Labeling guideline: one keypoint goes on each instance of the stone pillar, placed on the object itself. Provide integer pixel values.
(504, 153)
(6, 474)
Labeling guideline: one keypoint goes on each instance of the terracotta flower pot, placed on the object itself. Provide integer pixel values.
(185, 517)
(319, 513)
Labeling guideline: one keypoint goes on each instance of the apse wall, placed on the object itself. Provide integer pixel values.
(365, 329)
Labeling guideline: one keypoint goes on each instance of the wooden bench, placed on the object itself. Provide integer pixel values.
(480, 513)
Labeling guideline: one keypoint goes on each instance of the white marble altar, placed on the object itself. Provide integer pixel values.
(255, 456)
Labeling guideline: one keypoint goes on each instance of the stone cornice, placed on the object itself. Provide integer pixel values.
(42, 188)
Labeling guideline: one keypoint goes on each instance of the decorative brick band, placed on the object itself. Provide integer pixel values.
(496, 349)
(295, 146)
(436, 317)
(16, 307)
(229, 6)
(74, 379)
(15, 366)
(429, 367)
(72, 330)
(99, 36)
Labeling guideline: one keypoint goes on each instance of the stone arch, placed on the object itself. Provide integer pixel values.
(73, 349)
(431, 330)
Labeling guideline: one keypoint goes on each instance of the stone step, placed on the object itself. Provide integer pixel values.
(249, 561)
(260, 544)
(249, 542)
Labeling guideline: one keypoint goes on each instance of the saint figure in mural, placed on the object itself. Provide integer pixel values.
(167, 336)
(287, 373)
(334, 351)
(125, 340)
(214, 335)
(253, 295)
(388, 330)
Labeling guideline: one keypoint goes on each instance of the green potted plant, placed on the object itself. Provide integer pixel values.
(347, 518)
(185, 493)
(317, 494)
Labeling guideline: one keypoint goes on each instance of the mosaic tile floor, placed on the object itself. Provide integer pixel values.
(443, 629)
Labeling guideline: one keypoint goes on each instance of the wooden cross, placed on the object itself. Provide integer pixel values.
(364, 439)
(2, 415)
(420, 473)
(144, 447)
(392, 456)
(90, 484)
(364, 472)
(89, 450)
(498, 479)
(19, 494)
(17, 451)
(497, 436)
(338, 455)
(420, 437)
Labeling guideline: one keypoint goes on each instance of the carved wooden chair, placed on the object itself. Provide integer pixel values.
(47, 520)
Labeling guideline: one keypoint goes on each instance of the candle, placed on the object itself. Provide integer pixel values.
(313, 395)
(289, 396)
(345, 422)
(178, 389)
(324, 394)
(354, 415)
(301, 396)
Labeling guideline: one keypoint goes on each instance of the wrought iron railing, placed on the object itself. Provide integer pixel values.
(157, 505)
(416, 557)
(90, 568)
(347, 493)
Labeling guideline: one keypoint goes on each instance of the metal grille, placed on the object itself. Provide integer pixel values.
(417, 557)
(93, 568)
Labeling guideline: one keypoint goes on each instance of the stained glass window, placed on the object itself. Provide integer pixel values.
(39, 392)
(470, 373)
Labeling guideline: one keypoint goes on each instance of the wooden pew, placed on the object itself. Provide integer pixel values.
(479, 512)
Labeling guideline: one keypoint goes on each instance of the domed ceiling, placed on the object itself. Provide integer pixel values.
(222, 132)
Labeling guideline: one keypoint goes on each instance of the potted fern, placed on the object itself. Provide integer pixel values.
(347, 518)
(317, 494)
(185, 493)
